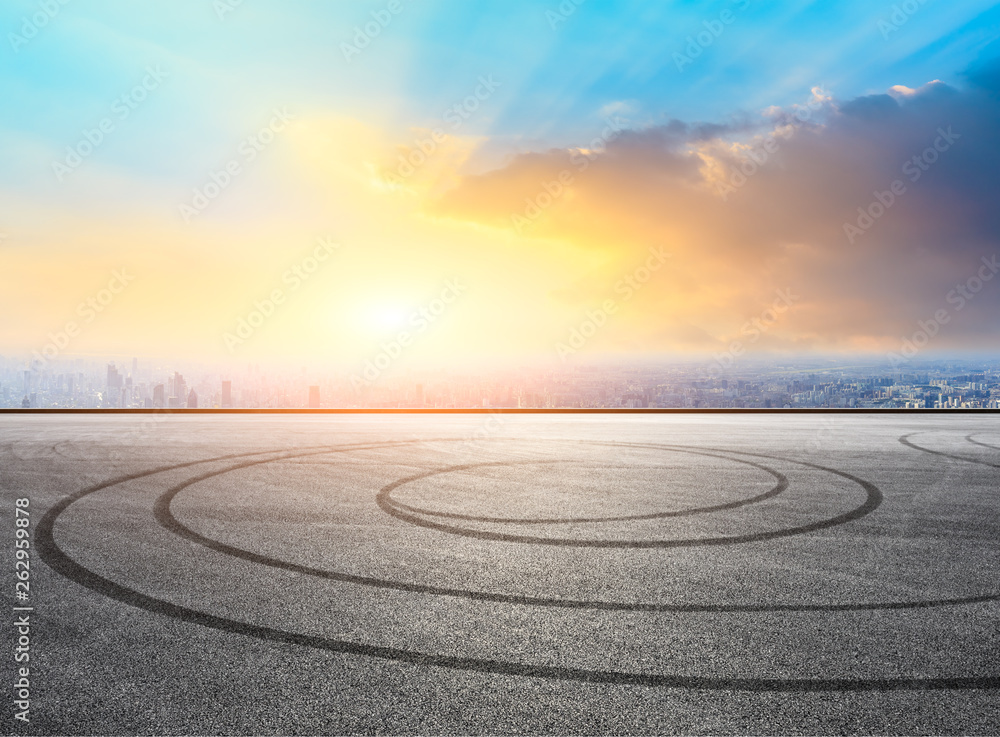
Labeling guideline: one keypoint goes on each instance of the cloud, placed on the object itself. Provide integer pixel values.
(618, 107)
(770, 202)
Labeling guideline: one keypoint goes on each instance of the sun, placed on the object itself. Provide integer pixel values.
(380, 318)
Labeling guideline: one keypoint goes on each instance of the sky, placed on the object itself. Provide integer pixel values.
(447, 182)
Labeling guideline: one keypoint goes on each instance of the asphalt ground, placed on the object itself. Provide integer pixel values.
(719, 574)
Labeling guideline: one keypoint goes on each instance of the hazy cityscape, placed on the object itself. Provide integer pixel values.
(806, 383)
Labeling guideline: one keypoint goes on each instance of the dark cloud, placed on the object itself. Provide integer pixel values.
(866, 276)
(872, 107)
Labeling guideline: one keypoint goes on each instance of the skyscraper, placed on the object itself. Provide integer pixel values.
(115, 383)
(159, 400)
(192, 400)
(178, 390)
(115, 380)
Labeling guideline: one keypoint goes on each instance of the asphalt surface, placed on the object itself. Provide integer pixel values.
(510, 574)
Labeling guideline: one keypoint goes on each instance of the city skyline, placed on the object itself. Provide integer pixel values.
(956, 383)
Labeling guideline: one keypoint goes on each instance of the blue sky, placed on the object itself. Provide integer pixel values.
(555, 81)
(561, 70)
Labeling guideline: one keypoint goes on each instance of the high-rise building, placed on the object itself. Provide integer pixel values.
(115, 380)
(314, 397)
(113, 397)
(192, 400)
(178, 391)
(159, 399)
(227, 393)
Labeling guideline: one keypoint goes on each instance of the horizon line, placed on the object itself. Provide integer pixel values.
(499, 410)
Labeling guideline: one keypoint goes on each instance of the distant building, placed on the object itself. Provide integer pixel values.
(227, 393)
(115, 384)
(192, 400)
(314, 397)
(178, 387)
(159, 396)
